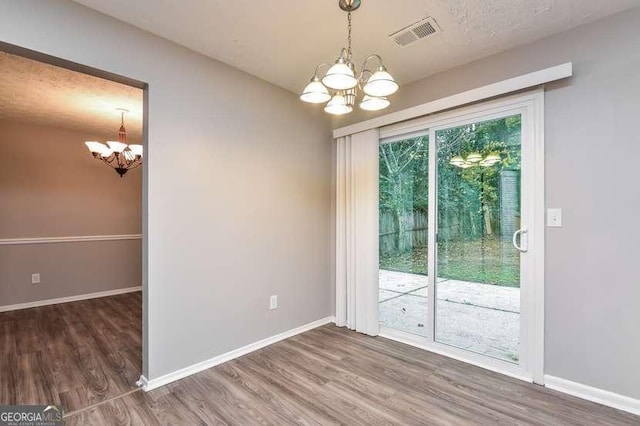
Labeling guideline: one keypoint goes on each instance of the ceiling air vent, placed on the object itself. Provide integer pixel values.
(414, 32)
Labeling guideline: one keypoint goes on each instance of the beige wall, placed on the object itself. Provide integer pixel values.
(50, 186)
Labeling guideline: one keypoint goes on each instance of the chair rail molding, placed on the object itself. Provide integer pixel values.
(73, 239)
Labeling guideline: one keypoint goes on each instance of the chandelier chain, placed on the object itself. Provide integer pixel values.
(349, 35)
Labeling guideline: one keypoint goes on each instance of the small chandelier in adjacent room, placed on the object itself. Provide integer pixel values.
(117, 154)
(340, 85)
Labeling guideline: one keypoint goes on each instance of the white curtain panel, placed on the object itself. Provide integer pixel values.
(357, 232)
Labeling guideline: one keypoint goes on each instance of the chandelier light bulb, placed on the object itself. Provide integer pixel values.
(117, 147)
(95, 147)
(340, 76)
(381, 83)
(136, 149)
(338, 106)
(493, 158)
(474, 157)
(374, 103)
(315, 92)
(457, 161)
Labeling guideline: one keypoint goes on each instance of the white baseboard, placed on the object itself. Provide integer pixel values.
(69, 299)
(590, 393)
(148, 385)
(142, 382)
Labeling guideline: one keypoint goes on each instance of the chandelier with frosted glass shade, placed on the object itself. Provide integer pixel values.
(117, 154)
(341, 84)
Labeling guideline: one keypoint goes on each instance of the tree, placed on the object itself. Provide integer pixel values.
(404, 184)
(468, 199)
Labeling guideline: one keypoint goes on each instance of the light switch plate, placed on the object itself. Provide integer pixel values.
(554, 218)
(273, 302)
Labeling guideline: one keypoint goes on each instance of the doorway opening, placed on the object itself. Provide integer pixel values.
(72, 244)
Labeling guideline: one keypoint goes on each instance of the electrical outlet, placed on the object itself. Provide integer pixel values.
(35, 278)
(273, 303)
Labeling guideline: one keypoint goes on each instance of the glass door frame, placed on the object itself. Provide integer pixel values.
(530, 105)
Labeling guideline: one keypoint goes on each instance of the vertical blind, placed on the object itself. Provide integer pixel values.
(357, 232)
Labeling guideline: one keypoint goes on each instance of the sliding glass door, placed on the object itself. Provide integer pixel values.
(404, 200)
(478, 211)
(456, 196)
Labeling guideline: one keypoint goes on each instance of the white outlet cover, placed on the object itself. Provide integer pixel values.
(273, 302)
(35, 278)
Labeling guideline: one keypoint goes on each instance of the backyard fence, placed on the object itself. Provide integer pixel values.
(458, 219)
(400, 233)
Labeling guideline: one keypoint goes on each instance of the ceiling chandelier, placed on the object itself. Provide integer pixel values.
(117, 154)
(475, 159)
(343, 80)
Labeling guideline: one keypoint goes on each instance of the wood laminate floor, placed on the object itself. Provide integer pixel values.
(333, 376)
(74, 354)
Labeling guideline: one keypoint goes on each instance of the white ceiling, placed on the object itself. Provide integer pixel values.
(39, 93)
(282, 41)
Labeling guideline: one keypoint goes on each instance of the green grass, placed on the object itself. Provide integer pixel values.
(490, 261)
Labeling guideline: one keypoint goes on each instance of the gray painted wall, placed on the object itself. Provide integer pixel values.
(218, 244)
(67, 269)
(239, 184)
(592, 279)
(50, 186)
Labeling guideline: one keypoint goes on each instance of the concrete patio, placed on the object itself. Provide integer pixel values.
(478, 317)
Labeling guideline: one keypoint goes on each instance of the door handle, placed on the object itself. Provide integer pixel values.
(520, 248)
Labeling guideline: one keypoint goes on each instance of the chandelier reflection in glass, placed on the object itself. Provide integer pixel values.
(343, 80)
(475, 159)
(117, 154)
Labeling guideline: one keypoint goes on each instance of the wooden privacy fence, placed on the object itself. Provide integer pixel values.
(403, 233)
(398, 234)
(410, 230)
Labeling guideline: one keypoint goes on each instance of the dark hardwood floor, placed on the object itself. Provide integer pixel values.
(333, 376)
(74, 354)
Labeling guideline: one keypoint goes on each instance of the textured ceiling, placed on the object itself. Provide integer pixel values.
(34, 92)
(282, 41)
